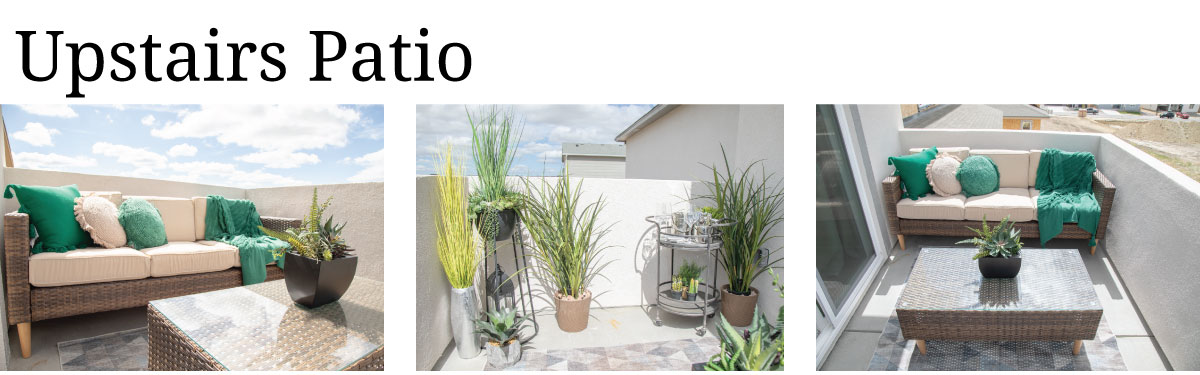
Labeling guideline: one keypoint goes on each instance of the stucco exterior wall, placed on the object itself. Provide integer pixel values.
(1000, 139)
(359, 205)
(678, 145)
(874, 129)
(432, 302)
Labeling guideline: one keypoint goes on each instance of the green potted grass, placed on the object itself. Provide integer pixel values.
(999, 249)
(494, 143)
(319, 266)
(752, 206)
(566, 246)
(457, 250)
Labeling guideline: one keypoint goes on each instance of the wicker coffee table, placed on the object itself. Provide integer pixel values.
(1050, 300)
(258, 327)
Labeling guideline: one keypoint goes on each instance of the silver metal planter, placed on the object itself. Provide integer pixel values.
(464, 309)
(502, 356)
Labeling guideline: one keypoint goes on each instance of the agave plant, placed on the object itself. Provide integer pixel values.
(759, 349)
(501, 326)
(314, 239)
(997, 241)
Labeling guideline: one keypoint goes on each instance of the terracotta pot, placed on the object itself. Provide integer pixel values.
(737, 309)
(572, 315)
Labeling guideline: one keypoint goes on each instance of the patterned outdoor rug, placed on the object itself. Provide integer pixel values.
(117, 351)
(676, 355)
(894, 353)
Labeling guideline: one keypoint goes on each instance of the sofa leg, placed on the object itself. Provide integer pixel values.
(23, 335)
(1093, 250)
(900, 237)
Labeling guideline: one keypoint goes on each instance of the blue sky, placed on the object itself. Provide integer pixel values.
(228, 145)
(547, 127)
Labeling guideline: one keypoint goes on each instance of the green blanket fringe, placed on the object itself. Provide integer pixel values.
(1065, 183)
(235, 222)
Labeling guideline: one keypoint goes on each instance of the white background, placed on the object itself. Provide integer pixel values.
(523, 52)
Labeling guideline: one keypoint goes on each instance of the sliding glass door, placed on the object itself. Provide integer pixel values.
(846, 255)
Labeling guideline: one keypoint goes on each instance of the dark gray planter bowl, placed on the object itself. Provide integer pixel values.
(508, 221)
(999, 267)
(313, 283)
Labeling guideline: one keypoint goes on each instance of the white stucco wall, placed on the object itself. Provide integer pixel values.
(629, 280)
(999, 139)
(359, 205)
(676, 146)
(873, 131)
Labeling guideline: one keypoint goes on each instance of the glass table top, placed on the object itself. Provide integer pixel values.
(258, 327)
(1049, 280)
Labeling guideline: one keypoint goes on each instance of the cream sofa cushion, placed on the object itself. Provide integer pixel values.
(201, 209)
(1012, 202)
(1013, 166)
(178, 216)
(932, 207)
(86, 266)
(183, 258)
(1035, 157)
(961, 152)
(111, 196)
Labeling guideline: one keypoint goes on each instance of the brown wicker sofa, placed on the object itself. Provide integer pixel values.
(938, 219)
(187, 267)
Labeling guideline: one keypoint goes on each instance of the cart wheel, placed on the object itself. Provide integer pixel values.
(658, 323)
(700, 331)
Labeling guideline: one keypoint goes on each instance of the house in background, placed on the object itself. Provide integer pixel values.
(979, 116)
(594, 160)
(1156, 108)
(1136, 108)
(1020, 116)
(680, 142)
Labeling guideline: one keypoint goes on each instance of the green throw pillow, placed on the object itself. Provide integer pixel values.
(52, 214)
(911, 169)
(978, 175)
(143, 224)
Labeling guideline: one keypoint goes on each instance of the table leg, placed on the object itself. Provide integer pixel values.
(921, 346)
(1078, 344)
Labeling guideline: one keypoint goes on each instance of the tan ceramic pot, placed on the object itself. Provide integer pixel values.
(737, 309)
(572, 315)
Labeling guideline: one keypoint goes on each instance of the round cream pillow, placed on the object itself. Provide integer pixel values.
(98, 216)
(941, 174)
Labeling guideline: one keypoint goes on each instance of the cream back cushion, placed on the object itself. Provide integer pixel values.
(961, 152)
(111, 196)
(1012, 164)
(98, 217)
(941, 174)
(201, 209)
(1035, 157)
(178, 216)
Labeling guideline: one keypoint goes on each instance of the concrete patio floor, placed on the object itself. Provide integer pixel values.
(857, 343)
(607, 327)
(48, 333)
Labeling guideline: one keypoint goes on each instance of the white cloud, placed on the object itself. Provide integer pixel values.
(265, 127)
(374, 167)
(136, 157)
(280, 159)
(182, 149)
(51, 161)
(148, 120)
(226, 174)
(36, 134)
(50, 110)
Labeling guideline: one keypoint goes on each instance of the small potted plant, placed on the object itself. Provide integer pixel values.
(999, 249)
(502, 330)
(319, 266)
(689, 273)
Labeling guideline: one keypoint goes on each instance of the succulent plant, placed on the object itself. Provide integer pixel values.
(501, 326)
(314, 239)
(997, 241)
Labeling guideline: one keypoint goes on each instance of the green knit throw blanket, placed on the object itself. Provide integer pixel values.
(235, 222)
(1065, 183)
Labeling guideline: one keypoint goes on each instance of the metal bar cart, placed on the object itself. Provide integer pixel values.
(706, 242)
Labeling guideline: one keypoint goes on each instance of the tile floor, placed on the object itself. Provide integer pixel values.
(857, 343)
(48, 333)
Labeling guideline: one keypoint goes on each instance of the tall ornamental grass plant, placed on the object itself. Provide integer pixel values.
(754, 207)
(494, 140)
(455, 239)
(565, 235)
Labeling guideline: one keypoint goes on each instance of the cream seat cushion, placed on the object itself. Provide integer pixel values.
(183, 258)
(1012, 202)
(960, 152)
(178, 216)
(1033, 197)
(1013, 166)
(932, 207)
(86, 266)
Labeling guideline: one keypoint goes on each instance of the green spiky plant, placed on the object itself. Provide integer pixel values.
(494, 143)
(690, 271)
(314, 239)
(753, 207)
(759, 348)
(501, 326)
(565, 235)
(1001, 241)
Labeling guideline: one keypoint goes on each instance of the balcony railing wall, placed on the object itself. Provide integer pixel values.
(1152, 235)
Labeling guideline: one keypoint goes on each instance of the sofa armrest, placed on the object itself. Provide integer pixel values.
(1104, 191)
(280, 223)
(891, 195)
(16, 267)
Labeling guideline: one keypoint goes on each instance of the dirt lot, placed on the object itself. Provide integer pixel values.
(1176, 143)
